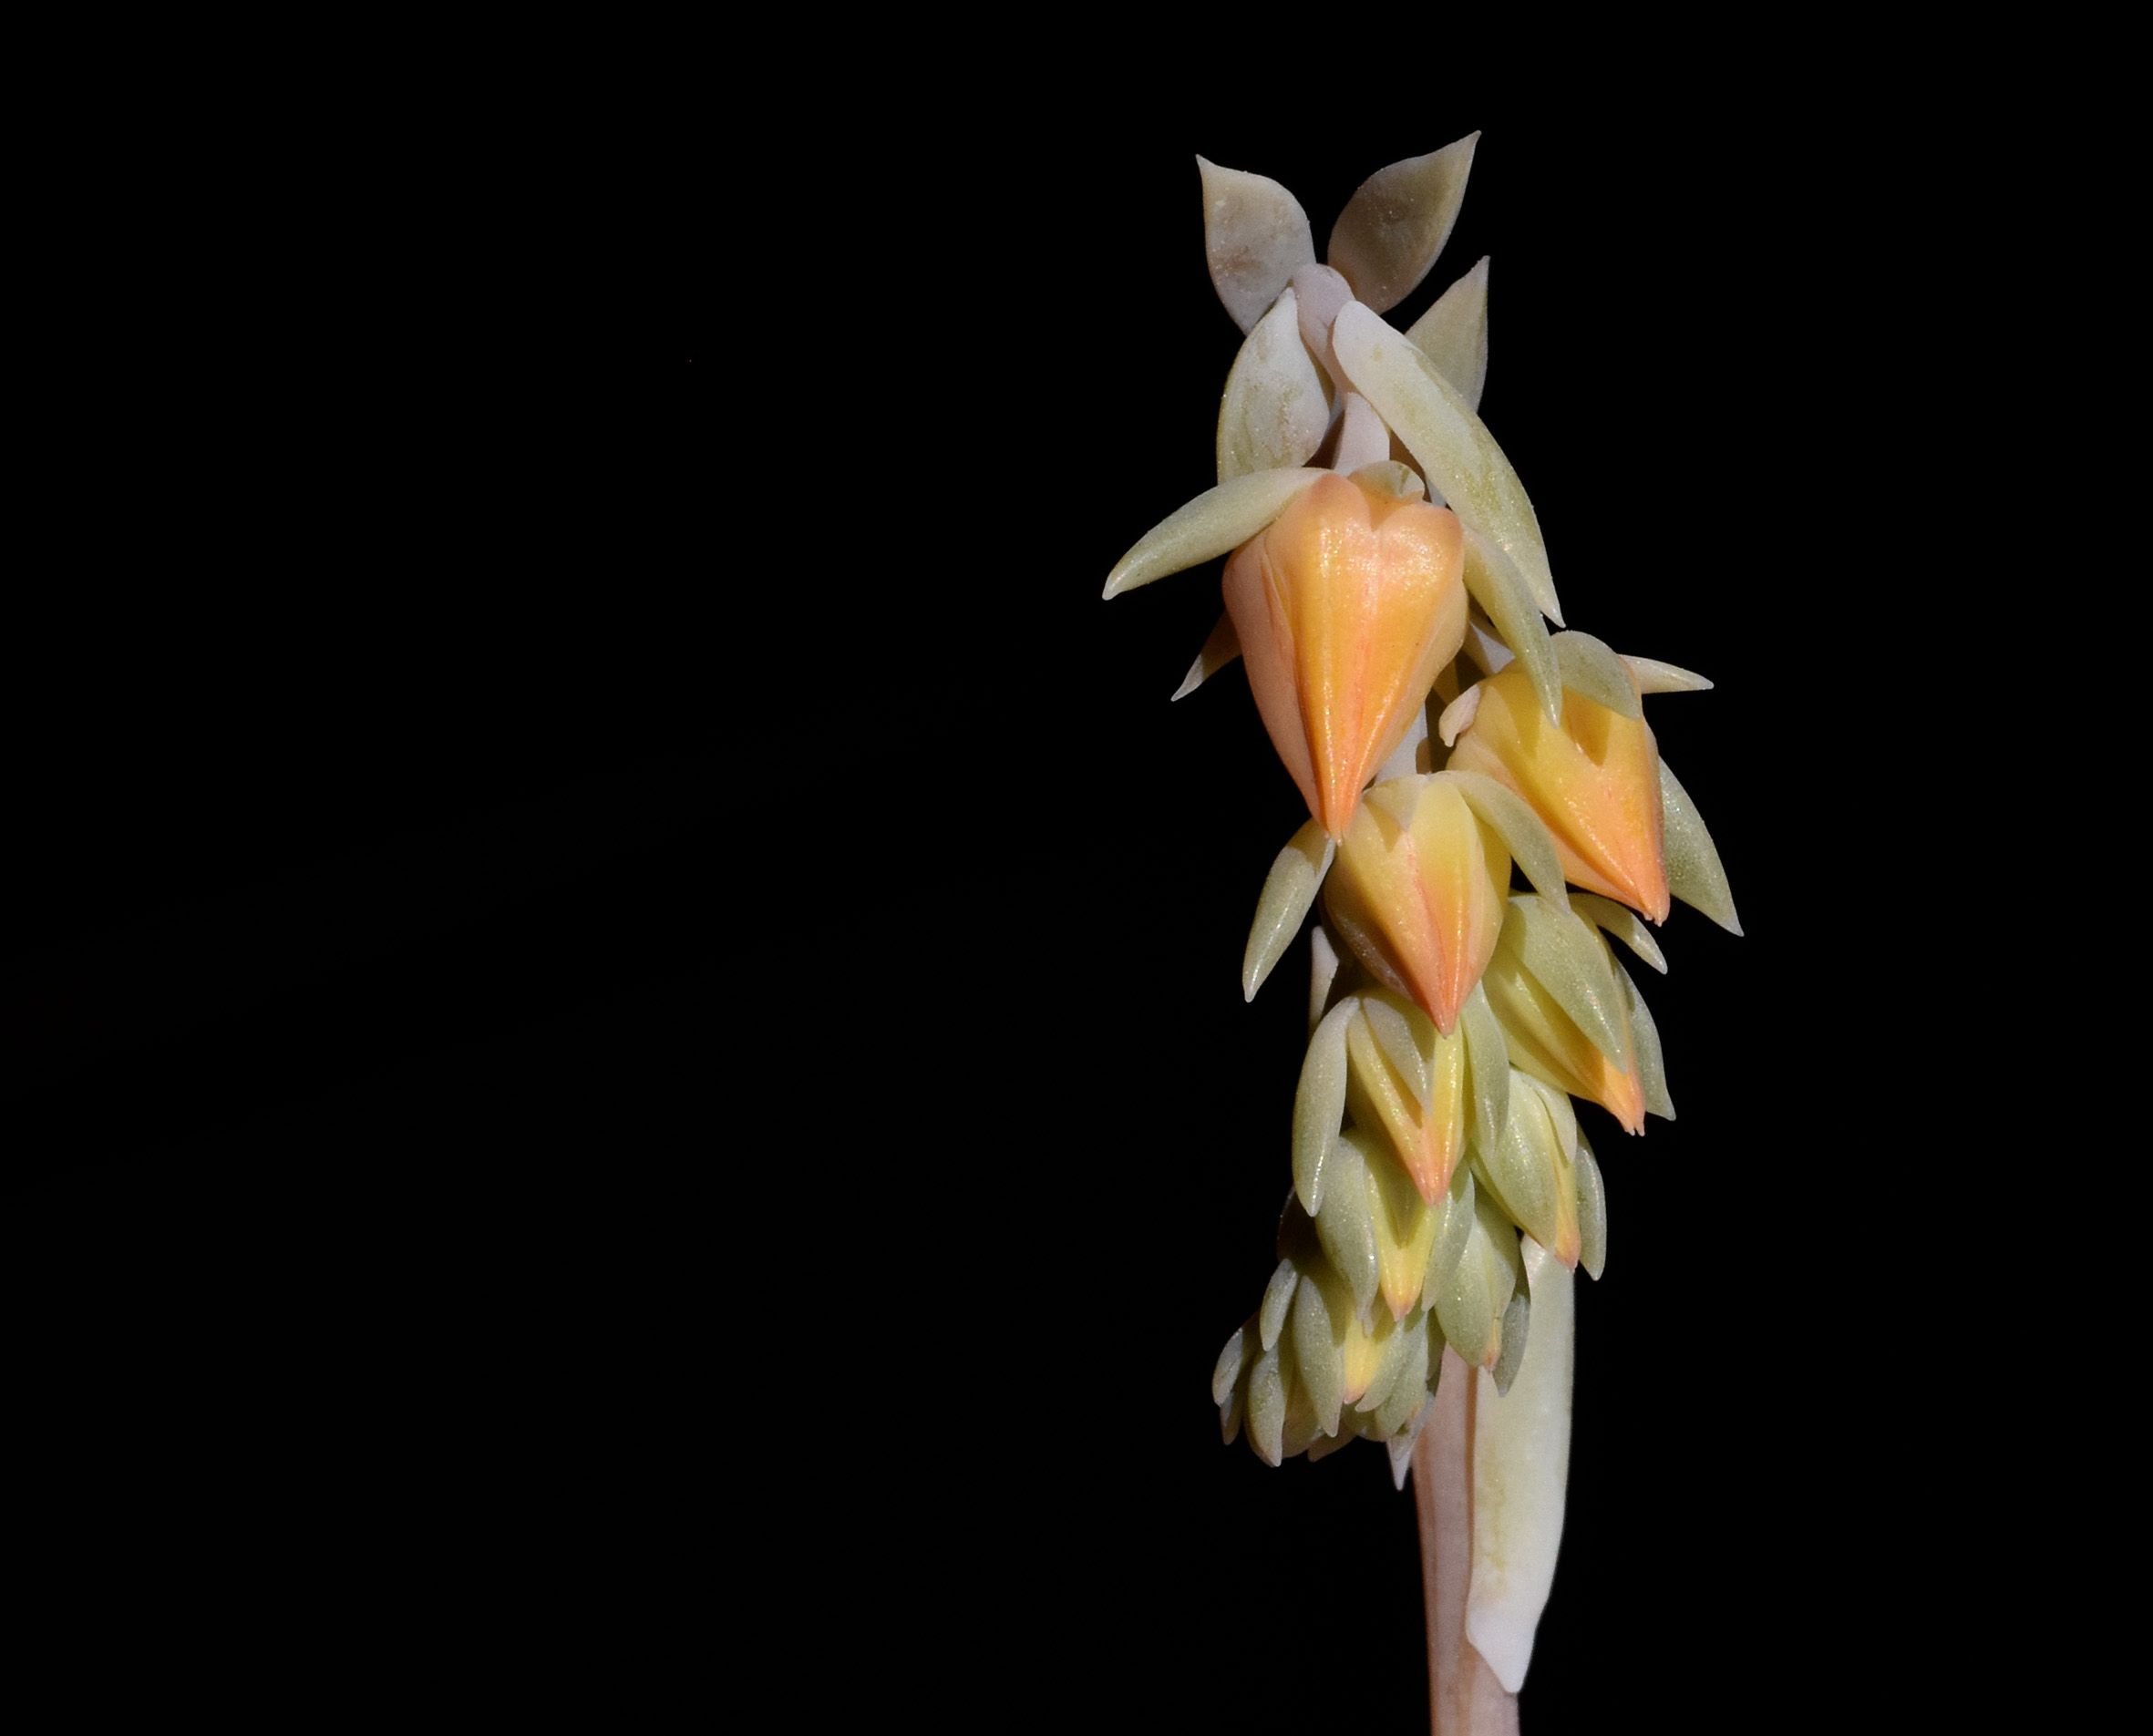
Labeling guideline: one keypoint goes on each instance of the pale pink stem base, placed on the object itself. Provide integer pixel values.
(1464, 1697)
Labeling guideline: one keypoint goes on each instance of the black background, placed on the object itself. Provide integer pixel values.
(627, 988)
(1696, 344)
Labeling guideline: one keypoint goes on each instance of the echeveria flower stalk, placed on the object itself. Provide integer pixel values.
(1391, 616)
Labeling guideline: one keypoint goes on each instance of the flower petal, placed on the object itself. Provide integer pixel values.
(1452, 445)
(1396, 223)
(1255, 237)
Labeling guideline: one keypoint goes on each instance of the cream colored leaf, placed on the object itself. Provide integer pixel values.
(1255, 237)
(1488, 1064)
(1275, 412)
(1226, 1375)
(1319, 1104)
(1565, 954)
(1317, 1357)
(1452, 445)
(1494, 582)
(1453, 334)
(1323, 972)
(1218, 521)
(1347, 1225)
(1521, 1478)
(1623, 923)
(1651, 1066)
(1665, 678)
(1693, 873)
(1278, 1296)
(1591, 1211)
(1590, 669)
(1392, 229)
(1521, 829)
(1222, 647)
(1288, 891)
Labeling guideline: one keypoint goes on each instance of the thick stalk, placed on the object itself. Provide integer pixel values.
(1464, 1697)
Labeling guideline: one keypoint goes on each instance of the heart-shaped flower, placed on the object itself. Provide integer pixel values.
(1346, 606)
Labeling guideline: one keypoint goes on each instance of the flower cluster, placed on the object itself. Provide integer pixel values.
(1387, 588)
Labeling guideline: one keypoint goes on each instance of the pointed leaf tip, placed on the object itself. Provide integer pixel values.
(1453, 334)
(1216, 522)
(1396, 223)
(1451, 444)
(1289, 890)
(1255, 237)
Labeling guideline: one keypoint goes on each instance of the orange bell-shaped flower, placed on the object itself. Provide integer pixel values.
(1417, 892)
(1345, 608)
(1595, 782)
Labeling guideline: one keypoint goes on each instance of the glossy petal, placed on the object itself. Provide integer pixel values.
(1595, 782)
(1417, 892)
(1395, 225)
(1255, 237)
(1345, 608)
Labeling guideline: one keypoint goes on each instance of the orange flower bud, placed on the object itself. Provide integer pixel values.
(1345, 608)
(1595, 782)
(1417, 892)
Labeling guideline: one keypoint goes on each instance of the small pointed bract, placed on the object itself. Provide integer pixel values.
(1346, 606)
